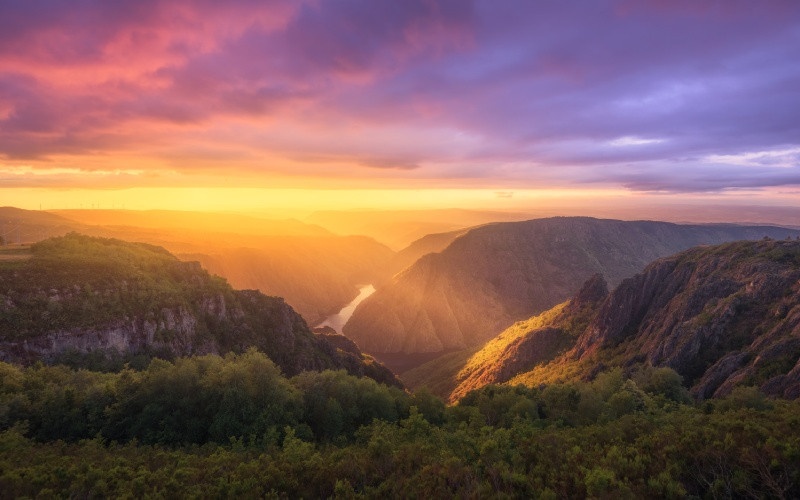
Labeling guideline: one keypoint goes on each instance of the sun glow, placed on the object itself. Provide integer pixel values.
(293, 202)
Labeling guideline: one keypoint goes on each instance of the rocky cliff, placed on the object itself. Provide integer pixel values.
(720, 316)
(497, 274)
(78, 294)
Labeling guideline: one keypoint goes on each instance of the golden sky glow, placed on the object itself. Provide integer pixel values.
(301, 202)
(294, 201)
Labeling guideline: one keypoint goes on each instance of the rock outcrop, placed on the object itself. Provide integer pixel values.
(720, 316)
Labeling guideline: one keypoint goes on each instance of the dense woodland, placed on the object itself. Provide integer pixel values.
(235, 426)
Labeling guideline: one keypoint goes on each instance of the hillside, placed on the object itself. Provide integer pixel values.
(517, 349)
(497, 274)
(315, 271)
(430, 243)
(27, 226)
(82, 296)
(721, 316)
(529, 343)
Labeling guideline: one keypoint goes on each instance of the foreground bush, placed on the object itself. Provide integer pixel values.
(213, 427)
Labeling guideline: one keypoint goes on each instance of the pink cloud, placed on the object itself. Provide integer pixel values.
(512, 92)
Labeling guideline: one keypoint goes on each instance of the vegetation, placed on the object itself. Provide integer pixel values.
(439, 374)
(238, 426)
(518, 349)
(102, 303)
(77, 281)
(235, 427)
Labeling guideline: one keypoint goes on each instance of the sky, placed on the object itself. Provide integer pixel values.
(346, 103)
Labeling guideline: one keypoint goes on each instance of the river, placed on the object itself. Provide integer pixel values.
(338, 320)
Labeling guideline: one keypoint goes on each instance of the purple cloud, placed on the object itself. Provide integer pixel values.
(654, 96)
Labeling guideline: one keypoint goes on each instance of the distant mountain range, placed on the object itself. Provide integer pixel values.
(400, 228)
(211, 222)
(79, 297)
(493, 275)
(721, 316)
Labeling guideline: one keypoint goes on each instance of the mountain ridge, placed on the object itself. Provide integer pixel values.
(500, 273)
(721, 316)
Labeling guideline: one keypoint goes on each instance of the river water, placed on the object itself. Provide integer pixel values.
(338, 320)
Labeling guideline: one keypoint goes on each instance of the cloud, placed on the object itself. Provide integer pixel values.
(648, 95)
(786, 158)
(632, 140)
(703, 178)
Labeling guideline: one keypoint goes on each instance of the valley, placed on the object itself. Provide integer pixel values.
(316, 271)
(491, 276)
(338, 320)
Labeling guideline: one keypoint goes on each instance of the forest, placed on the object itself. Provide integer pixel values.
(235, 426)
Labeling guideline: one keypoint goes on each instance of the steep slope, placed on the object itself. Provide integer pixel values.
(497, 274)
(517, 349)
(78, 294)
(532, 342)
(430, 243)
(720, 316)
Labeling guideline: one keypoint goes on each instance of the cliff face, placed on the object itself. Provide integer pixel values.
(80, 295)
(720, 316)
(494, 275)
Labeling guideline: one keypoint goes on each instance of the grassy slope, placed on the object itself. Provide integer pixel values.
(438, 375)
(443, 374)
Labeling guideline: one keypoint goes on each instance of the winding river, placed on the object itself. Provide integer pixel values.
(338, 320)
